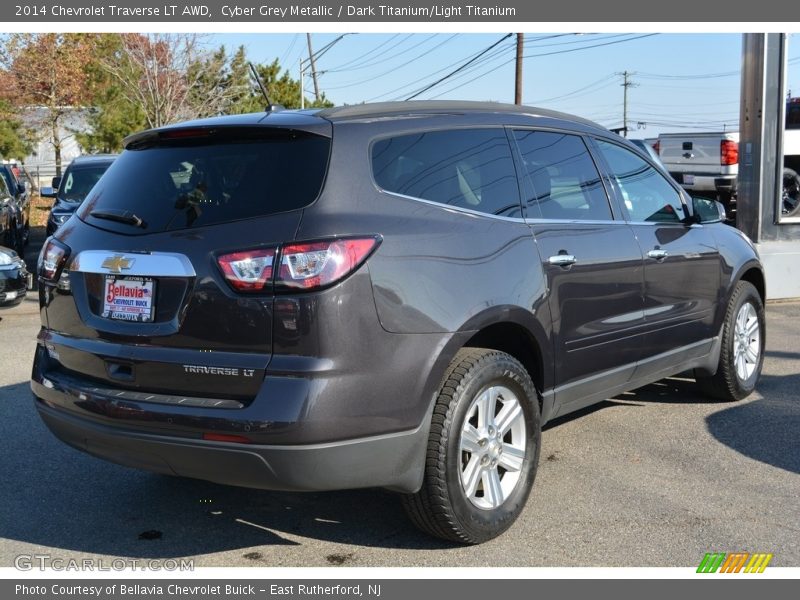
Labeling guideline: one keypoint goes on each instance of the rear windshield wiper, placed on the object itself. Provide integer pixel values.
(120, 216)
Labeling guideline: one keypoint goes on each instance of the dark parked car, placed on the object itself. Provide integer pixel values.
(19, 208)
(69, 190)
(393, 295)
(14, 278)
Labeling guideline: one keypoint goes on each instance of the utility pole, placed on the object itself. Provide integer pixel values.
(309, 62)
(302, 87)
(518, 79)
(626, 83)
(313, 67)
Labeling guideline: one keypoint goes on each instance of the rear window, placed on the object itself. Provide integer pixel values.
(80, 181)
(191, 184)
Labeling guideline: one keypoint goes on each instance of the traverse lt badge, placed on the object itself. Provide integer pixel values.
(116, 263)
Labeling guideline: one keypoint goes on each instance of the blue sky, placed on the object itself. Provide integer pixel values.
(681, 80)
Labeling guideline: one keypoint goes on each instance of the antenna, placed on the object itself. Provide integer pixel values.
(270, 106)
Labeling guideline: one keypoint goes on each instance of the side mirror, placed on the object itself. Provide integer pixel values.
(48, 192)
(708, 211)
(21, 189)
(56, 182)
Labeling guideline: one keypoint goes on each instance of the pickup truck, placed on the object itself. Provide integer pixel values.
(706, 164)
(791, 159)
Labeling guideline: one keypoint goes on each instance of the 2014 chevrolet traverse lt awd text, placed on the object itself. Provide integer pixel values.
(393, 295)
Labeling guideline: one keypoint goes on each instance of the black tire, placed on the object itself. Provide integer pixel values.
(728, 383)
(726, 198)
(441, 507)
(791, 193)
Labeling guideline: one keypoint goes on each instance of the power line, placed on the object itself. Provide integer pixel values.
(690, 105)
(579, 41)
(429, 75)
(489, 60)
(549, 37)
(638, 37)
(494, 68)
(689, 77)
(609, 77)
(393, 70)
(367, 53)
(363, 64)
(466, 64)
(378, 62)
(285, 55)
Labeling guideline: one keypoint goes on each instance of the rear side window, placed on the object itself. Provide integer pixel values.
(7, 182)
(467, 168)
(562, 178)
(646, 194)
(186, 185)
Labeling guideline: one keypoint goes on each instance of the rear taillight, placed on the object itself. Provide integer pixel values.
(248, 271)
(303, 266)
(320, 264)
(657, 147)
(226, 437)
(728, 152)
(52, 259)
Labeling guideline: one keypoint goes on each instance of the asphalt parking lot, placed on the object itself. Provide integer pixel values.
(657, 477)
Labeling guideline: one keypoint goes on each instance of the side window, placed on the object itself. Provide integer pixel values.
(468, 168)
(5, 183)
(562, 177)
(647, 195)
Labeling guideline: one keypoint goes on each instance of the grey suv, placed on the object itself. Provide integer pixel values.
(392, 295)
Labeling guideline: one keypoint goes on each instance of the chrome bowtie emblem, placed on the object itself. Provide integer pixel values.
(116, 263)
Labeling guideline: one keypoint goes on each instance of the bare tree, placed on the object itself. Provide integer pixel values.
(162, 74)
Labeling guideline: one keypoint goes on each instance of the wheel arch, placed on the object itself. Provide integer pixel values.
(509, 329)
(752, 273)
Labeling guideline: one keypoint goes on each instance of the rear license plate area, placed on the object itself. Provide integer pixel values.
(129, 299)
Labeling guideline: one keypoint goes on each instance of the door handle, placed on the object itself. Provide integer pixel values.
(658, 254)
(562, 260)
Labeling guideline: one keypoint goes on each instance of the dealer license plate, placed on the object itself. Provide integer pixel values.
(129, 299)
(688, 179)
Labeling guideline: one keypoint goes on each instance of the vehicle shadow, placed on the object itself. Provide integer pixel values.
(768, 429)
(583, 412)
(765, 429)
(672, 390)
(56, 497)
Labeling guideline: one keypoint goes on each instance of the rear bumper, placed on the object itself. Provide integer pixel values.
(390, 461)
(707, 183)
